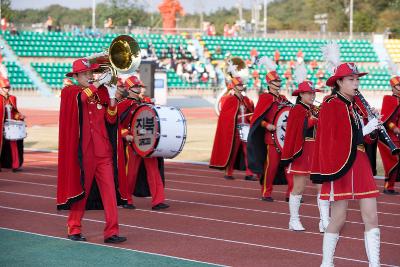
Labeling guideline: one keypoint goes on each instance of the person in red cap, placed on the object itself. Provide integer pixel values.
(263, 156)
(236, 110)
(87, 145)
(391, 120)
(11, 151)
(133, 164)
(298, 150)
(341, 163)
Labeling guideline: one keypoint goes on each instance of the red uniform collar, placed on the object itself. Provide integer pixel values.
(347, 101)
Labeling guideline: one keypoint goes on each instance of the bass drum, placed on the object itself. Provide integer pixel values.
(14, 130)
(158, 131)
(280, 123)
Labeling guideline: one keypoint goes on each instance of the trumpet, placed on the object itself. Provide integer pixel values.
(123, 56)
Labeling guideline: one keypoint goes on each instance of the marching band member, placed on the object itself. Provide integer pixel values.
(235, 107)
(133, 164)
(299, 147)
(391, 119)
(264, 158)
(88, 115)
(340, 162)
(11, 151)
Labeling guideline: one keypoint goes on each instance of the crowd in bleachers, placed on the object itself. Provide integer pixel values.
(197, 60)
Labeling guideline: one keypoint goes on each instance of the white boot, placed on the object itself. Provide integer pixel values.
(294, 206)
(372, 240)
(328, 249)
(323, 207)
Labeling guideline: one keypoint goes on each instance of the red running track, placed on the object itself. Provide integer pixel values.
(211, 219)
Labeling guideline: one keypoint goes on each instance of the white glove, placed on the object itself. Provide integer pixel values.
(105, 78)
(371, 126)
(112, 89)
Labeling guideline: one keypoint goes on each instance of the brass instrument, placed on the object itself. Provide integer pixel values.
(383, 135)
(123, 56)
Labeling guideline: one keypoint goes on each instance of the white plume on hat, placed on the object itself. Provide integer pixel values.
(267, 62)
(393, 68)
(300, 73)
(331, 56)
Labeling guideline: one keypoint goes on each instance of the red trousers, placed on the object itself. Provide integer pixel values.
(153, 177)
(237, 142)
(389, 182)
(102, 169)
(14, 154)
(271, 166)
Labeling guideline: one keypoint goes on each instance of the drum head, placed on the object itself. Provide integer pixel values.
(280, 123)
(145, 130)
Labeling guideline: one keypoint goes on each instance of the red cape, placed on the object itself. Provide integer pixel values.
(390, 104)
(5, 149)
(224, 135)
(390, 162)
(334, 151)
(295, 133)
(70, 175)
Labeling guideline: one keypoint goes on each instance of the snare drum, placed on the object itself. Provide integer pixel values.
(14, 130)
(158, 131)
(244, 130)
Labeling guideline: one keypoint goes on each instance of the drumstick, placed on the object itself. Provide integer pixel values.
(246, 115)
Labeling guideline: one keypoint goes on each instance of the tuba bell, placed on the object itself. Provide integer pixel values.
(122, 57)
(234, 67)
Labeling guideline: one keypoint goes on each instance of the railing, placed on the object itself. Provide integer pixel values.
(40, 27)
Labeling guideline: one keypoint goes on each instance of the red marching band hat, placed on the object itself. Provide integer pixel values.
(133, 82)
(235, 81)
(4, 82)
(305, 87)
(395, 81)
(343, 70)
(272, 76)
(82, 65)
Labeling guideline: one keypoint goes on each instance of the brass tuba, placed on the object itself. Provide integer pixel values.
(123, 56)
(234, 67)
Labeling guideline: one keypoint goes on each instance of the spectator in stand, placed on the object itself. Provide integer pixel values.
(164, 53)
(182, 51)
(211, 29)
(313, 65)
(179, 69)
(151, 51)
(204, 77)
(13, 30)
(227, 29)
(129, 26)
(76, 31)
(277, 56)
(108, 24)
(192, 49)
(49, 23)
(3, 23)
(253, 56)
(58, 28)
